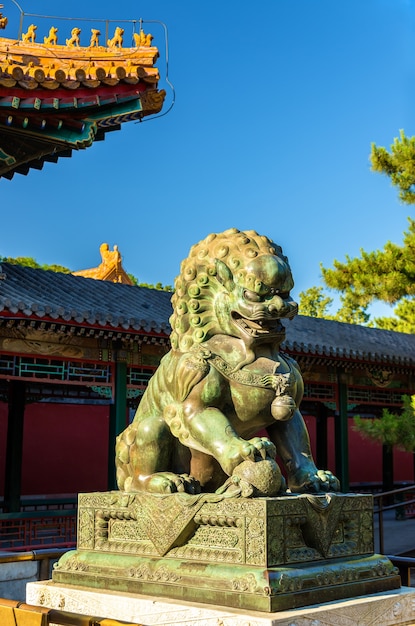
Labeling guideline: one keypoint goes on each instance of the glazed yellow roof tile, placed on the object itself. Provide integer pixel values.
(27, 64)
(67, 91)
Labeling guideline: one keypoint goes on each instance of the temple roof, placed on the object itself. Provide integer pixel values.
(39, 295)
(337, 339)
(43, 294)
(67, 89)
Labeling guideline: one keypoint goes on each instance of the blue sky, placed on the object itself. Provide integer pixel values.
(276, 103)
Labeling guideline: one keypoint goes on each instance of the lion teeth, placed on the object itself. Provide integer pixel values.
(252, 324)
(259, 327)
(253, 328)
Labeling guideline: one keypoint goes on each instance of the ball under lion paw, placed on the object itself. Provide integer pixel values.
(264, 476)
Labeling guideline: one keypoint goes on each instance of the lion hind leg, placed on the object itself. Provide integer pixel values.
(206, 470)
(144, 459)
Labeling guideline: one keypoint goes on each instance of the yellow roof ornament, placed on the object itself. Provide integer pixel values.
(3, 20)
(110, 267)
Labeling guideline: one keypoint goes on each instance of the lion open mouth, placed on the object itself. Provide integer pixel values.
(258, 327)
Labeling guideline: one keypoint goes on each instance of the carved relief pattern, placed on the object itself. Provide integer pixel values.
(213, 555)
(288, 583)
(95, 500)
(332, 527)
(255, 544)
(114, 532)
(246, 583)
(295, 548)
(131, 531)
(275, 541)
(72, 564)
(167, 518)
(366, 532)
(86, 529)
(383, 568)
(215, 539)
(287, 506)
(345, 539)
(146, 572)
(388, 611)
(337, 576)
(236, 508)
(49, 599)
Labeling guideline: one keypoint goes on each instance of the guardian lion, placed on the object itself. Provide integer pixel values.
(224, 382)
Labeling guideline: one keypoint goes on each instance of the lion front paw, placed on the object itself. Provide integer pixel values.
(239, 450)
(316, 481)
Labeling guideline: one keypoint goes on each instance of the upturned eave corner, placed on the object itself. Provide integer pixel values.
(65, 90)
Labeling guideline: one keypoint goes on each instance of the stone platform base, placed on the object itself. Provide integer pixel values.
(391, 608)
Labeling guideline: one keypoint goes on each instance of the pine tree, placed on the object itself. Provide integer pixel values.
(398, 164)
(391, 429)
(386, 275)
(313, 303)
(28, 261)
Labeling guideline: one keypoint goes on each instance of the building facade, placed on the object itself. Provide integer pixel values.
(76, 355)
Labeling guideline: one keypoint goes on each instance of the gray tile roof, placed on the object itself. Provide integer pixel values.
(66, 298)
(37, 294)
(329, 338)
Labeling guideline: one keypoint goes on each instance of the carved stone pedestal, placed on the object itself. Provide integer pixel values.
(263, 554)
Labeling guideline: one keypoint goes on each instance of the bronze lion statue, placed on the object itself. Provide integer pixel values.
(223, 382)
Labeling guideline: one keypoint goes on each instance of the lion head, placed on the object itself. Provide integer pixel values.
(235, 283)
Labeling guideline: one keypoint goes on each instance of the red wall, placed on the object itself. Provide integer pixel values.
(365, 459)
(64, 448)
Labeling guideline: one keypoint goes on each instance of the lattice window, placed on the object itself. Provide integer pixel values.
(36, 368)
(139, 376)
(41, 368)
(319, 391)
(384, 397)
(6, 365)
(87, 372)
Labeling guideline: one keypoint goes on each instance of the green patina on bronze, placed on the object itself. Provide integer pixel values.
(265, 554)
(224, 380)
(203, 514)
